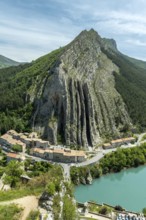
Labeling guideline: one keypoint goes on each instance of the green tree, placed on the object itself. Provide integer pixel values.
(13, 172)
(103, 210)
(69, 209)
(17, 148)
(56, 207)
(119, 208)
(3, 161)
(33, 215)
(144, 211)
(51, 189)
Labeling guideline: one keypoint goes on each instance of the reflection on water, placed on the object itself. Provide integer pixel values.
(126, 188)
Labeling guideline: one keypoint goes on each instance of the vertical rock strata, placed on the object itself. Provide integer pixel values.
(79, 103)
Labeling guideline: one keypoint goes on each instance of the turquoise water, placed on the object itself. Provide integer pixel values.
(127, 188)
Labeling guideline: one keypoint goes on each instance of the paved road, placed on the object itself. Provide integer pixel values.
(94, 216)
(66, 168)
(95, 159)
(101, 153)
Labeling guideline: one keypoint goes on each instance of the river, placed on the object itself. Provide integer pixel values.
(127, 188)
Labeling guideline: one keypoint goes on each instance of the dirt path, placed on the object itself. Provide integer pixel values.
(28, 203)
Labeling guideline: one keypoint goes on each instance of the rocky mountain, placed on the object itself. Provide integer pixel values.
(6, 62)
(77, 95)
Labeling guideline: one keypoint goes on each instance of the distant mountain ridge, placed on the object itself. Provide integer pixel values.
(78, 95)
(140, 63)
(6, 62)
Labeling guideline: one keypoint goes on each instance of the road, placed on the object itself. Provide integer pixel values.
(66, 168)
(95, 159)
(94, 216)
(100, 154)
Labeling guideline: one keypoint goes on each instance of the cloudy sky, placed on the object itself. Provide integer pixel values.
(31, 28)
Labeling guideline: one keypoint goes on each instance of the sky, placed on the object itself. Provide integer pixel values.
(32, 28)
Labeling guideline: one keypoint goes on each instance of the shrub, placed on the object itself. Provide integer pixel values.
(103, 210)
(119, 208)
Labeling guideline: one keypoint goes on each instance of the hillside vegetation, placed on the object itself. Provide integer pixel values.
(112, 162)
(15, 85)
(77, 94)
(131, 84)
(6, 62)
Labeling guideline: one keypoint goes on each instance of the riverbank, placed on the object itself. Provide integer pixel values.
(111, 163)
(126, 188)
(106, 212)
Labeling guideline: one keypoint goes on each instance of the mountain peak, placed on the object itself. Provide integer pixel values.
(92, 36)
(79, 95)
(109, 44)
(88, 34)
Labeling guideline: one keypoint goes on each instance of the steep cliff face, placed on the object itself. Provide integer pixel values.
(78, 103)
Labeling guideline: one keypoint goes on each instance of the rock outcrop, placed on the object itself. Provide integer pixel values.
(89, 179)
(79, 104)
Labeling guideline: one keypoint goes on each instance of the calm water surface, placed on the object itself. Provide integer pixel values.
(127, 188)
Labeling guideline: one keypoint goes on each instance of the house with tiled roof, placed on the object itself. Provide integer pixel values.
(60, 155)
(118, 142)
(13, 156)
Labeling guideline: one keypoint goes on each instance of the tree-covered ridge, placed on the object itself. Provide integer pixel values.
(17, 84)
(140, 63)
(131, 84)
(6, 62)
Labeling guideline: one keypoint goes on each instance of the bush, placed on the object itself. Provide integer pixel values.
(119, 208)
(56, 207)
(69, 209)
(10, 212)
(103, 210)
(33, 215)
(144, 211)
(51, 189)
(17, 148)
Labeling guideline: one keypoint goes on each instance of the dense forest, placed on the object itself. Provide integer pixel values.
(17, 84)
(131, 84)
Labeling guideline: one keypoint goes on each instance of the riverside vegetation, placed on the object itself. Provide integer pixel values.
(112, 162)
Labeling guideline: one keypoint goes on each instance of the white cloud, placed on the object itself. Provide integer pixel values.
(136, 42)
(32, 28)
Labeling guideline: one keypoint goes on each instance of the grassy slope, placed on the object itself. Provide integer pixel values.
(10, 212)
(19, 193)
